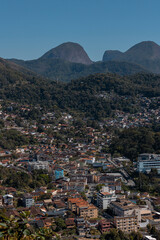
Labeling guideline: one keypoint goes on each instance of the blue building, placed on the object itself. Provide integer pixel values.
(59, 173)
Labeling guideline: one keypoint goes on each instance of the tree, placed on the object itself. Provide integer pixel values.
(19, 229)
(15, 228)
(113, 235)
(99, 186)
(135, 236)
(60, 224)
(153, 172)
(83, 195)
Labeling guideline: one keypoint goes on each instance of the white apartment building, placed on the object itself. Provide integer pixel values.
(147, 161)
(44, 165)
(105, 197)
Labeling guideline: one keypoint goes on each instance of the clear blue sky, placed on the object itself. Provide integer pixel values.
(29, 28)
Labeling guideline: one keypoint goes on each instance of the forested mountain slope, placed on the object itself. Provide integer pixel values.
(95, 96)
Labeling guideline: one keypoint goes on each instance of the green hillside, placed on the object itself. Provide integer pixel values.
(58, 69)
(83, 95)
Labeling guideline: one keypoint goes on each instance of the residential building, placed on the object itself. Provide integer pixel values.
(72, 203)
(82, 208)
(77, 185)
(105, 225)
(92, 223)
(28, 200)
(38, 165)
(90, 161)
(145, 213)
(80, 224)
(70, 222)
(105, 197)
(112, 182)
(8, 199)
(59, 204)
(87, 210)
(126, 223)
(126, 208)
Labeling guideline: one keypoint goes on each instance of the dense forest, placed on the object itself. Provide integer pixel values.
(23, 180)
(134, 141)
(59, 69)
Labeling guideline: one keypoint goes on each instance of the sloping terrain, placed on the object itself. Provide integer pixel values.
(57, 69)
(95, 96)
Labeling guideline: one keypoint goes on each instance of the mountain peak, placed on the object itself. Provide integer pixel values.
(146, 54)
(69, 51)
(147, 49)
(146, 44)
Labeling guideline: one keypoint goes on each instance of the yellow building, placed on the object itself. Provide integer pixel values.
(82, 208)
(126, 224)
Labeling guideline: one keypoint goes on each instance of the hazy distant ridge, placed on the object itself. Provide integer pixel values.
(146, 54)
(70, 61)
